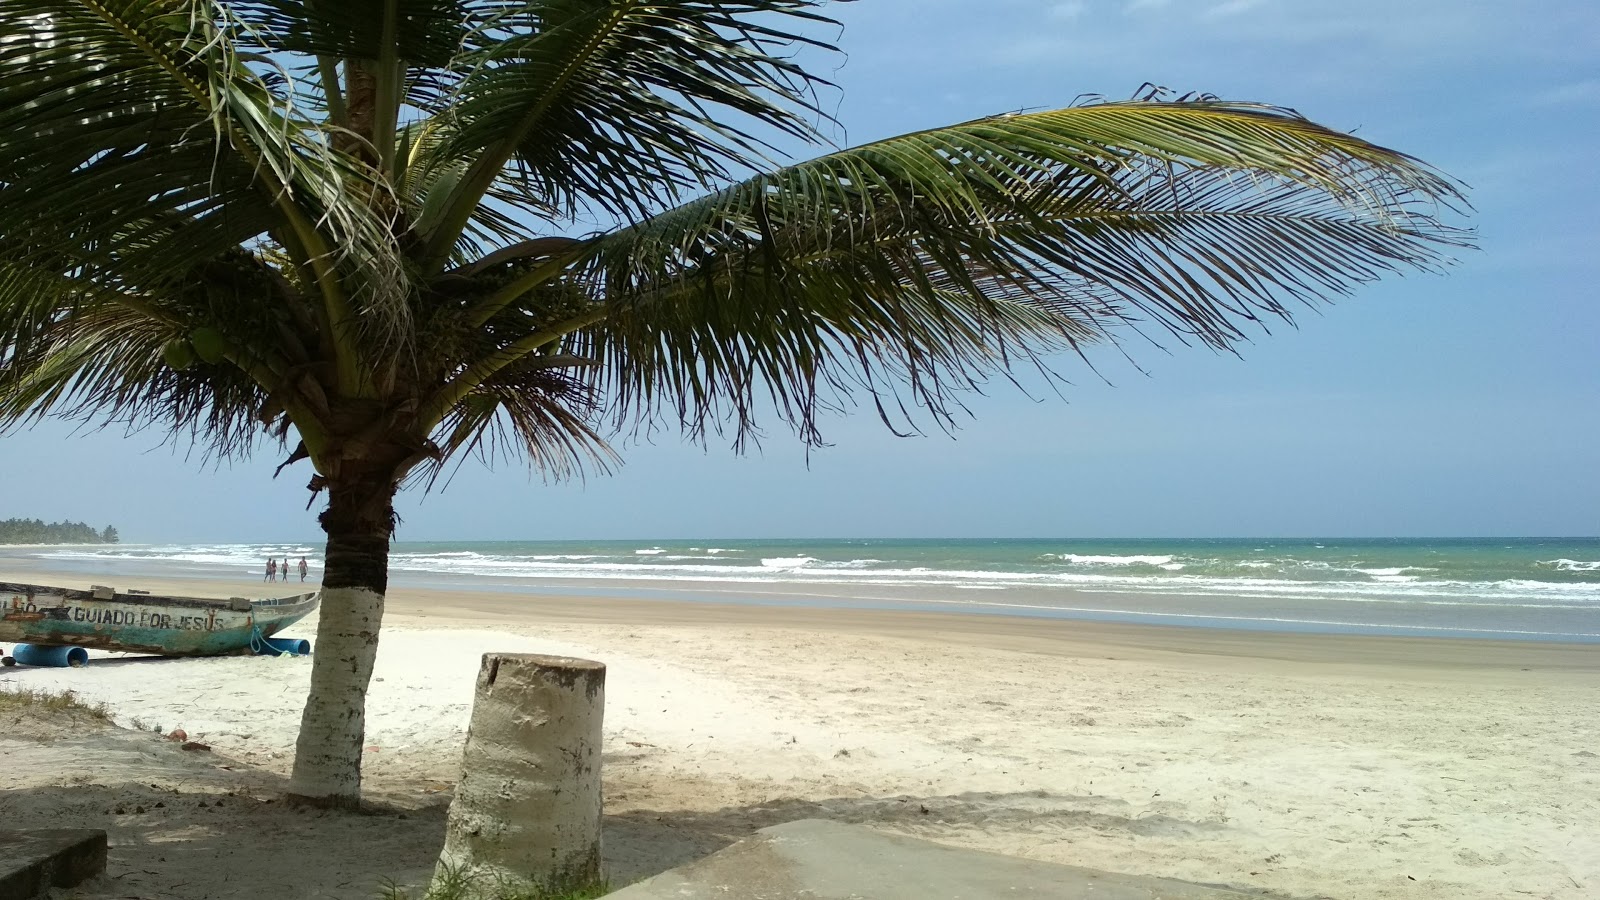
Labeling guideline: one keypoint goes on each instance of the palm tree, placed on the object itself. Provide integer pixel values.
(386, 233)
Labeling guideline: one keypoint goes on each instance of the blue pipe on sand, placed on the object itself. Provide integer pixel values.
(275, 646)
(49, 655)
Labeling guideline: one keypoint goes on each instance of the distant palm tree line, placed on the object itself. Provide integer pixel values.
(35, 531)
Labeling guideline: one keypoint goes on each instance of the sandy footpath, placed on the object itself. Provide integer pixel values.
(1308, 766)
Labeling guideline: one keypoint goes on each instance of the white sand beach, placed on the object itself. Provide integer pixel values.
(1303, 765)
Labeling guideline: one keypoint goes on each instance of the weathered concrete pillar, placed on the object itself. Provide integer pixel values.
(527, 807)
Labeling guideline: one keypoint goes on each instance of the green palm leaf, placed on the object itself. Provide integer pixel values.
(137, 143)
(618, 106)
(933, 260)
(107, 367)
(422, 33)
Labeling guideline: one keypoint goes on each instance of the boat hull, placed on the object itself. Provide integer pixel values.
(144, 623)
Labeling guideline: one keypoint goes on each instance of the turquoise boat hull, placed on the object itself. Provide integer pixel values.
(103, 619)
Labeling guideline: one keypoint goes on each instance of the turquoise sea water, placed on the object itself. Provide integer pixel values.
(1530, 588)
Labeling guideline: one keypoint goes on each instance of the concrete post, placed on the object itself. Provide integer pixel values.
(527, 807)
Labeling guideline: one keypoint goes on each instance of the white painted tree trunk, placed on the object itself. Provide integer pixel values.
(327, 764)
(527, 807)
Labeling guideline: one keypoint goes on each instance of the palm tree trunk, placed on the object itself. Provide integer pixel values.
(359, 522)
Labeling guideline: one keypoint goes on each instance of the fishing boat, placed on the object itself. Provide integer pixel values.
(105, 619)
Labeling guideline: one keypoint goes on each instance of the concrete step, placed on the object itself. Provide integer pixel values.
(32, 862)
(814, 859)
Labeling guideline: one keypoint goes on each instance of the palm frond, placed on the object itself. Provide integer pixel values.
(135, 141)
(937, 259)
(107, 367)
(533, 410)
(94, 145)
(620, 106)
(420, 32)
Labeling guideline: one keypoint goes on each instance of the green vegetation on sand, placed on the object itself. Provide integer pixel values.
(20, 700)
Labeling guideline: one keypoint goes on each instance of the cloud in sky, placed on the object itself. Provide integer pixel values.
(1072, 9)
(1577, 93)
(1232, 8)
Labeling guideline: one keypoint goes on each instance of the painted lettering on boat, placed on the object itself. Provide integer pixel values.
(145, 619)
(21, 610)
(25, 609)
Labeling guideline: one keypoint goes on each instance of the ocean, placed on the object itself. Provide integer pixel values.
(1519, 588)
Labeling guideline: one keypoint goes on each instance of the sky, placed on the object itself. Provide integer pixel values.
(1459, 405)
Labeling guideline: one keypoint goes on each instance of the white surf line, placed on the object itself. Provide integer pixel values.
(1205, 591)
(1124, 612)
(1353, 592)
(1129, 612)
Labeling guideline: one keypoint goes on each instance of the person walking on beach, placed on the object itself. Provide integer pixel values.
(272, 569)
(302, 568)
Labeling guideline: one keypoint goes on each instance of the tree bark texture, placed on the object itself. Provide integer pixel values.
(527, 808)
(359, 521)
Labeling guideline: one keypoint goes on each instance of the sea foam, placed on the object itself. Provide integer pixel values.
(1093, 560)
(1201, 578)
(1572, 565)
(787, 562)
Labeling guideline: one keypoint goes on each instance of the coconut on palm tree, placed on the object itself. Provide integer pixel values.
(366, 229)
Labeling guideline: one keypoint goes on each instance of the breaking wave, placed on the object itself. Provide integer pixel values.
(1485, 580)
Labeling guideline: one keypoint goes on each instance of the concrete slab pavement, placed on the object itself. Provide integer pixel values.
(813, 859)
(32, 862)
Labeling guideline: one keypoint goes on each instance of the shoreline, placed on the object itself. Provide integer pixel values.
(1080, 606)
(473, 607)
